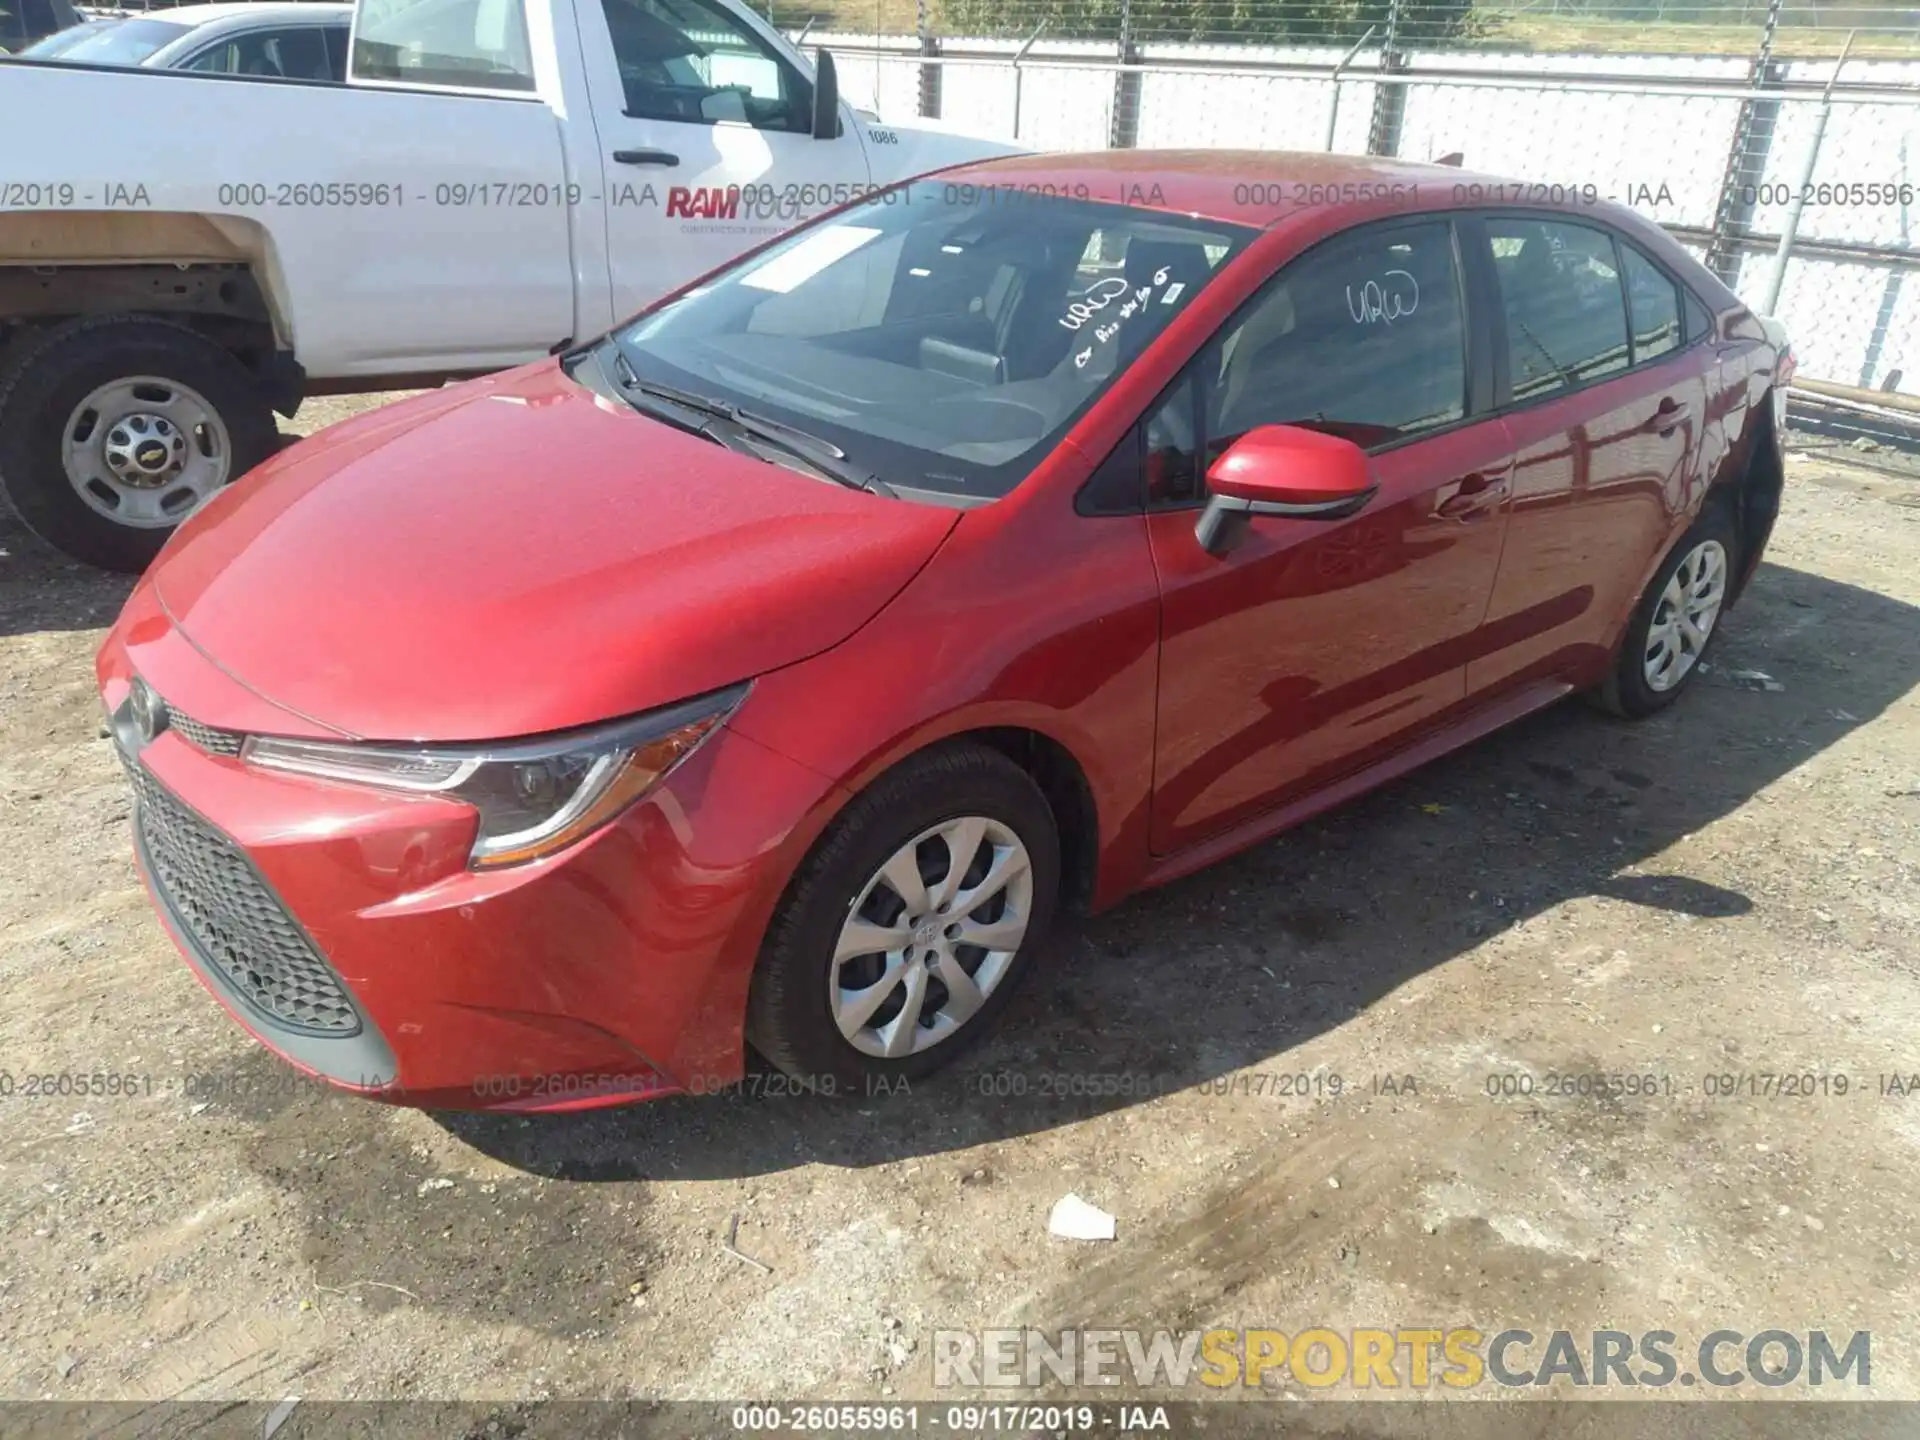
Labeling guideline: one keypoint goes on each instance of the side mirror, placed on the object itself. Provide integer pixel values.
(826, 98)
(1282, 470)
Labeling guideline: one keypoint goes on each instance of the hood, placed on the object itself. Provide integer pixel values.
(518, 555)
(923, 145)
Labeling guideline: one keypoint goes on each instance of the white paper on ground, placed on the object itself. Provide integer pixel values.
(1074, 1219)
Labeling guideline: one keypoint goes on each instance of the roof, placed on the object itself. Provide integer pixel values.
(1248, 187)
(262, 10)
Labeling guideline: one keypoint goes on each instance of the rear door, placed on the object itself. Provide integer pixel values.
(1605, 404)
(1316, 646)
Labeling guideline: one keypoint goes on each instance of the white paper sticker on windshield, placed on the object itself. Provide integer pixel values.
(808, 258)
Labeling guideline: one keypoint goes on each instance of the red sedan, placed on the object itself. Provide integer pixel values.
(772, 669)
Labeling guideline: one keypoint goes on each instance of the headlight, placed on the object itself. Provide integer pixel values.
(534, 796)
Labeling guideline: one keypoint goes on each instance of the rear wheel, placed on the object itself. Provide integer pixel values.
(113, 430)
(1675, 621)
(908, 927)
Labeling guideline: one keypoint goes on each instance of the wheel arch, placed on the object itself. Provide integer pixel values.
(1062, 779)
(1751, 488)
(1049, 758)
(215, 275)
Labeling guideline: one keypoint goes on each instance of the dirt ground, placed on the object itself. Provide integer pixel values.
(1727, 889)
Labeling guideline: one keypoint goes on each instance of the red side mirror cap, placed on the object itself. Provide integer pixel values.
(1289, 465)
(1282, 470)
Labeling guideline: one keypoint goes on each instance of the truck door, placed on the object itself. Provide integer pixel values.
(705, 129)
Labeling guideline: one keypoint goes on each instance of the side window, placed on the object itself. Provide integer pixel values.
(337, 36)
(1653, 303)
(691, 62)
(13, 28)
(1566, 317)
(299, 54)
(468, 44)
(1170, 449)
(1698, 321)
(1362, 337)
(221, 59)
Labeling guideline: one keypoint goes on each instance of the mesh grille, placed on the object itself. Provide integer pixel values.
(234, 918)
(214, 742)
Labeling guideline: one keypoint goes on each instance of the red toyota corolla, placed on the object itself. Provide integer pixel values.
(772, 669)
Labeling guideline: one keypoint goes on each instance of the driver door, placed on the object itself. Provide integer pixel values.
(1313, 647)
(706, 137)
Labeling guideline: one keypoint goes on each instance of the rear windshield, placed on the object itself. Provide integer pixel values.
(115, 42)
(945, 336)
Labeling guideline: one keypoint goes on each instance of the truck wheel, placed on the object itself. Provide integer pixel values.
(113, 429)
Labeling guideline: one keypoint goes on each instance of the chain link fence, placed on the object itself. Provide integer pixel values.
(1778, 143)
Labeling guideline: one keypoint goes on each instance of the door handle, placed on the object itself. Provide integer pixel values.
(645, 157)
(1672, 412)
(1473, 494)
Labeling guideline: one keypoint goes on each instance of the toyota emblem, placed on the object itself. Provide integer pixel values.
(149, 711)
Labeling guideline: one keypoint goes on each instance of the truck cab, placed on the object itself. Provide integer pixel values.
(496, 180)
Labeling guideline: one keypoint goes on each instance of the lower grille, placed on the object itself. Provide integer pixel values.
(235, 920)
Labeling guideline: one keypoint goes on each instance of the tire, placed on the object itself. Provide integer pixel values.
(790, 1008)
(1630, 691)
(182, 374)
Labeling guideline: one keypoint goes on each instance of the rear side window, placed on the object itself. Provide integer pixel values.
(1653, 304)
(1361, 337)
(1698, 321)
(1565, 313)
(466, 44)
(297, 54)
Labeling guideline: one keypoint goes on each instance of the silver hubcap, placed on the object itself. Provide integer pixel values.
(144, 451)
(931, 936)
(1685, 616)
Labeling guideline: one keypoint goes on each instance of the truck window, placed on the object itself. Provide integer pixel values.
(691, 62)
(294, 54)
(465, 44)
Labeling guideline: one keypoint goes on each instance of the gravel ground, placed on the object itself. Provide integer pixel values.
(1726, 889)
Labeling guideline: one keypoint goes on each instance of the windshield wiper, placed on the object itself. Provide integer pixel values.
(620, 378)
(820, 453)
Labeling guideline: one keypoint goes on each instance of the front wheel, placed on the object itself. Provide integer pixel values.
(113, 430)
(908, 927)
(1675, 621)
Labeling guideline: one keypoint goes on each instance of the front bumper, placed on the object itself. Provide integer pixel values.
(342, 927)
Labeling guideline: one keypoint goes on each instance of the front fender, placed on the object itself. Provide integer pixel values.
(1046, 623)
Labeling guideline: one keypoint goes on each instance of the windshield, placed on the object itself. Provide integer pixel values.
(945, 336)
(123, 42)
(63, 40)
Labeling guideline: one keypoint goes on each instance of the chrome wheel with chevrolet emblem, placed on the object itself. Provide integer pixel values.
(144, 451)
(113, 429)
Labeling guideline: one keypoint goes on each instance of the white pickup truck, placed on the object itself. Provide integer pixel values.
(181, 255)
